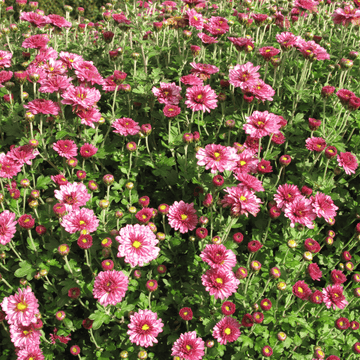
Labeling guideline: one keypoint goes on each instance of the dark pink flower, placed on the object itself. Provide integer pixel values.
(66, 148)
(300, 211)
(226, 330)
(126, 126)
(301, 290)
(314, 271)
(261, 123)
(333, 297)
(171, 111)
(168, 93)
(182, 216)
(217, 256)
(348, 162)
(42, 106)
(315, 144)
(201, 98)
(189, 347)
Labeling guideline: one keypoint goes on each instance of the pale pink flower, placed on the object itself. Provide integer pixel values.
(203, 69)
(56, 83)
(285, 195)
(201, 98)
(217, 256)
(137, 245)
(333, 297)
(182, 216)
(69, 59)
(89, 117)
(42, 106)
(189, 347)
(110, 287)
(80, 96)
(8, 167)
(192, 80)
(72, 195)
(126, 126)
(66, 148)
(22, 154)
(249, 182)
(7, 226)
(34, 19)
(195, 19)
(226, 330)
(300, 211)
(5, 59)
(30, 352)
(82, 219)
(243, 73)
(217, 158)
(221, 283)
(168, 93)
(23, 336)
(324, 206)
(348, 162)
(144, 327)
(21, 308)
(261, 123)
(241, 201)
(346, 16)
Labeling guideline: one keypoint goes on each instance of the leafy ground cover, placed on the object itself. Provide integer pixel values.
(180, 180)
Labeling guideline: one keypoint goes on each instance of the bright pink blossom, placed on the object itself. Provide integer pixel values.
(334, 297)
(168, 93)
(226, 330)
(285, 195)
(300, 211)
(81, 97)
(82, 219)
(72, 195)
(324, 206)
(348, 162)
(42, 106)
(243, 73)
(182, 216)
(217, 256)
(7, 226)
(66, 148)
(201, 98)
(261, 123)
(126, 126)
(189, 347)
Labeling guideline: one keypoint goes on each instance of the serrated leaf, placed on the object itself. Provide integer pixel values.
(25, 268)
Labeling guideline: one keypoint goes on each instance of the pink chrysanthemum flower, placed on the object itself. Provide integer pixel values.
(221, 283)
(217, 25)
(35, 42)
(171, 111)
(249, 182)
(348, 162)
(21, 308)
(243, 73)
(247, 163)
(56, 83)
(217, 158)
(23, 336)
(182, 216)
(34, 19)
(82, 219)
(42, 106)
(300, 211)
(89, 117)
(87, 73)
(5, 59)
(192, 80)
(81, 97)
(7, 75)
(203, 70)
(287, 40)
(218, 257)
(66, 148)
(8, 167)
(301, 290)
(73, 196)
(7, 226)
(137, 245)
(259, 89)
(206, 39)
(226, 330)
(88, 150)
(333, 297)
(337, 277)
(285, 195)
(168, 93)
(267, 52)
(346, 16)
(69, 59)
(309, 5)
(311, 50)
(241, 201)
(195, 19)
(201, 98)
(126, 126)
(189, 347)
(261, 123)
(30, 352)
(314, 271)
(324, 206)
(110, 287)
(144, 327)
(23, 154)
(242, 44)
(58, 21)
(315, 144)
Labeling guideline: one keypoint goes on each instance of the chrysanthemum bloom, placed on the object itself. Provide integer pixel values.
(85, 241)
(126, 126)
(258, 317)
(324, 206)
(261, 123)
(247, 320)
(265, 304)
(342, 323)
(254, 245)
(182, 216)
(186, 313)
(311, 50)
(22, 154)
(354, 325)
(316, 297)
(7, 226)
(88, 150)
(267, 351)
(137, 245)
(242, 202)
(228, 308)
(188, 347)
(144, 327)
(300, 211)
(314, 271)
(345, 255)
(82, 219)
(201, 98)
(206, 39)
(66, 148)
(348, 162)
(242, 44)
(226, 330)
(346, 16)
(35, 42)
(23, 336)
(75, 350)
(332, 357)
(267, 52)
(72, 195)
(171, 111)
(26, 221)
(195, 19)
(264, 167)
(217, 158)
(333, 297)
(221, 283)
(30, 352)
(81, 97)
(110, 287)
(301, 290)
(242, 73)
(217, 256)
(314, 124)
(191, 80)
(168, 93)
(241, 273)
(312, 245)
(5, 59)
(259, 89)
(315, 144)
(203, 71)
(21, 308)
(151, 285)
(74, 293)
(144, 215)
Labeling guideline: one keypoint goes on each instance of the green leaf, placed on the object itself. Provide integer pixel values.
(247, 341)
(99, 318)
(25, 268)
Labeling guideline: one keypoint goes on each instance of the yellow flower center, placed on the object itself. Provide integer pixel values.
(151, 283)
(227, 308)
(63, 248)
(216, 154)
(184, 217)
(266, 303)
(81, 222)
(300, 290)
(227, 331)
(219, 280)
(185, 313)
(145, 327)
(136, 244)
(242, 162)
(242, 198)
(21, 306)
(188, 347)
(199, 96)
(196, 19)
